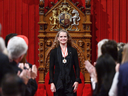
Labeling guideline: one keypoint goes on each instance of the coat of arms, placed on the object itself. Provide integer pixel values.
(64, 17)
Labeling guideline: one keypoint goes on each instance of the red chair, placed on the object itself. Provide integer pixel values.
(47, 85)
(83, 89)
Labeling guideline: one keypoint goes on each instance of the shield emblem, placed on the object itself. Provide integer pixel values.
(64, 19)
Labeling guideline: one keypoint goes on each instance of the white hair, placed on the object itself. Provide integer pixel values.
(16, 47)
(100, 43)
(2, 44)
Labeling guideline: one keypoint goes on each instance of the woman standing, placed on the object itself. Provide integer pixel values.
(123, 74)
(63, 60)
(105, 69)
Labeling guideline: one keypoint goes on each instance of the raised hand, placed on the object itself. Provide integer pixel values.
(25, 75)
(34, 72)
(21, 65)
(91, 69)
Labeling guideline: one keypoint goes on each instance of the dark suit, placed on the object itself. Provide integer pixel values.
(57, 76)
(102, 91)
(5, 67)
(123, 80)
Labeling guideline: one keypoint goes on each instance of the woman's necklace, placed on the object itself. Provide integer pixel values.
(64, 53)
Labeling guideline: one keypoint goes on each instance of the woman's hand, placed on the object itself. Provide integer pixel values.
(25, 75)
(75, 85)
(53, 88)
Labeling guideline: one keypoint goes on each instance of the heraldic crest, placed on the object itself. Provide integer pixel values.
(64, 16)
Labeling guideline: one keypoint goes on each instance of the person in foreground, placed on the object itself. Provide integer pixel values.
(122, 89)
(12, 85)
(105, 69)
(64, 66)
(17, 48)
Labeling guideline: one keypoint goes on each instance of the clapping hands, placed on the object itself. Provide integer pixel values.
(91, 69)
(30, 72)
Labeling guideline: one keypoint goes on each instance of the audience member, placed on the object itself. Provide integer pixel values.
(120, 45)
(25, 65)
(110, 47)
(8, 37)
(12, 85)
(91, 68)
(17, 47)
(4, 61)
(4, 67)
(104, 46)
(100, 43)
(113, 89)
(2, 45)
(105, 69)
(123, 74)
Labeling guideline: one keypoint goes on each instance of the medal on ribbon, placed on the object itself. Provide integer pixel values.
(64, 53)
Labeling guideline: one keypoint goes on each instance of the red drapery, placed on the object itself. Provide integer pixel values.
(109, 20)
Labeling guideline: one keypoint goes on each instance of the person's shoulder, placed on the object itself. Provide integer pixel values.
(124, 66)
(72, 48)
(2, 55)
(53, 51)
(4, 58)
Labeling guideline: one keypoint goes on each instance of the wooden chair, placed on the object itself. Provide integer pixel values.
(64, 15)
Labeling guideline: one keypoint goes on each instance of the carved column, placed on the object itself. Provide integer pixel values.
(87, 28)
(41, 36)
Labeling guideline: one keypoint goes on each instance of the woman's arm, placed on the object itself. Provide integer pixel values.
(51, 67)
(76, 65)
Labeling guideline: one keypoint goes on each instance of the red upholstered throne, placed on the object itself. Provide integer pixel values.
(83, 89)
(78, 26)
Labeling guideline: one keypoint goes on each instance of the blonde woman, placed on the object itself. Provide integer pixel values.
(123, 74)
(64, 66)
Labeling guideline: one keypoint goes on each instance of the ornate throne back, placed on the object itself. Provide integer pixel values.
(64, 15)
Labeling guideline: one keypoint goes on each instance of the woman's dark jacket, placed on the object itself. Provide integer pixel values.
(56, 67)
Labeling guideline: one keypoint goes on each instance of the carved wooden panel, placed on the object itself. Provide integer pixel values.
(64, 15)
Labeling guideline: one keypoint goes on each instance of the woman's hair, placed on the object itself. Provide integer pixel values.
(105, 68)
(125, 54)
(56, 42)
(24, 59)
(110, 47)
(120, 55)
(8, 37)
(100, 43)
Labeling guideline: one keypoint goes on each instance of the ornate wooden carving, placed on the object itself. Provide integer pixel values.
(77, 24)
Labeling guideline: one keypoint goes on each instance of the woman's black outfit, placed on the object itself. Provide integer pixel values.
(63, 75)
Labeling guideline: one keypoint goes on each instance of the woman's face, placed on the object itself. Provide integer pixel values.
(63, 38)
